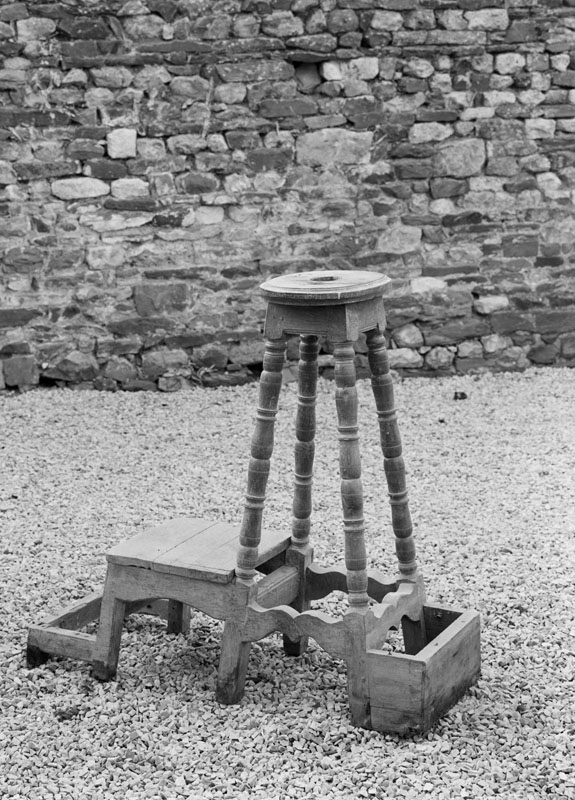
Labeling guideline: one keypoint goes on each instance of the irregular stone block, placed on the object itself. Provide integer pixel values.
(120, 369)
(246, 353)
(130, 187)
(408, 336)
(121, 143)
(405, 358)
(194, 88)
(429, 132)
(105, 169)
(470, 349)
(554, 321)
(74, 367)
(455, 331)
(488, 19)
(34, 29)
(439, 358)
(495, 343)
(254, 71)
(154, 297)
(79, 188)
(197, 183)
(490, 303)
(20, 370)
(399, 240)
(158, 362)
(334, 146)
(282, 24)
(543, 354)
(460, 159)
(293, 107)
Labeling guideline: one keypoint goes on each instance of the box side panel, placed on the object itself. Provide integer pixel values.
(453, 664)
(396, 685)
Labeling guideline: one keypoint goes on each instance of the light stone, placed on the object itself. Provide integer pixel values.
(334, 146)
(540, 128)
(471, 348)
(498, 98)
(387, 21)
(34, 29)
(405, 358)
(508, 63)
(121, 143)
(491, 19)
(460, 159)
(399, 240)
(79, 188)
(429, 132)
(130, 187)
(490, 303)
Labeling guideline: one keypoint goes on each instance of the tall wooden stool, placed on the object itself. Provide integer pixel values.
(397, 692)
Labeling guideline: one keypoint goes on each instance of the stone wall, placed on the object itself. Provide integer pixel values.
(160, 158)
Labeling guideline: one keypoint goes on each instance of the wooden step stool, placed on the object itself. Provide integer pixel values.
(259, 582)
(191, 561)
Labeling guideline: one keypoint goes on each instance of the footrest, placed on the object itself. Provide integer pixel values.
(409, 693)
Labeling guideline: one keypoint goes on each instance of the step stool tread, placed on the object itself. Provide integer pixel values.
(193, 548)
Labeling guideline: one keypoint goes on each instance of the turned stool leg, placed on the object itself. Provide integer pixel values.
(300, 553)
(350, 474)
(235, 652)
(382, 386)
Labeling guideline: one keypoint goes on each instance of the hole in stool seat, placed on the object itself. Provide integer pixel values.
(323, 278)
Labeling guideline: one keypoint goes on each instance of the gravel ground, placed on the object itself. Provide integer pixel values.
(492, 481)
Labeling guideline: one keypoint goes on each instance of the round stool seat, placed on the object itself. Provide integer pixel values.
(328, 287)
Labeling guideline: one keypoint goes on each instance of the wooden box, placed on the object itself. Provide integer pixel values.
(408, 693)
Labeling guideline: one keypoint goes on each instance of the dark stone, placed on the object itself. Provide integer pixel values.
(455, 331)
(36, 170)
(85, 28)
(84, 149)
(197, 183)
(167, 9)
(543, 354)
(151, 298)
(506, 322)
(186, 340)
(106, 169)
(74, 367)
(139, 385)
(552, 321)
(294, 107)
(13, 12)
(521, 183)
(464, 218)
(447, 187)
(342, 20)
(169, 219)
(140, 327)
(243, 140)
(412, 169)
(436, 115)
(23, 259)
(236, 378)
(131, 204)
(20, 370)
(262, 159)
(15, 349)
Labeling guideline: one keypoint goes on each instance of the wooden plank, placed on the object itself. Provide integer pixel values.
(62, 642)
(279, 587)
(143, 549)
(77, 614)
(193, 548)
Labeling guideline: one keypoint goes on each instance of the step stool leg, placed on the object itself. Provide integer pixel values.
(178, 617)
(107, 649)
(234, 658)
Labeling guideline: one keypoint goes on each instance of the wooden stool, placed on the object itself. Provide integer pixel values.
(260, 582)
(191, 561)
(397, 692)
